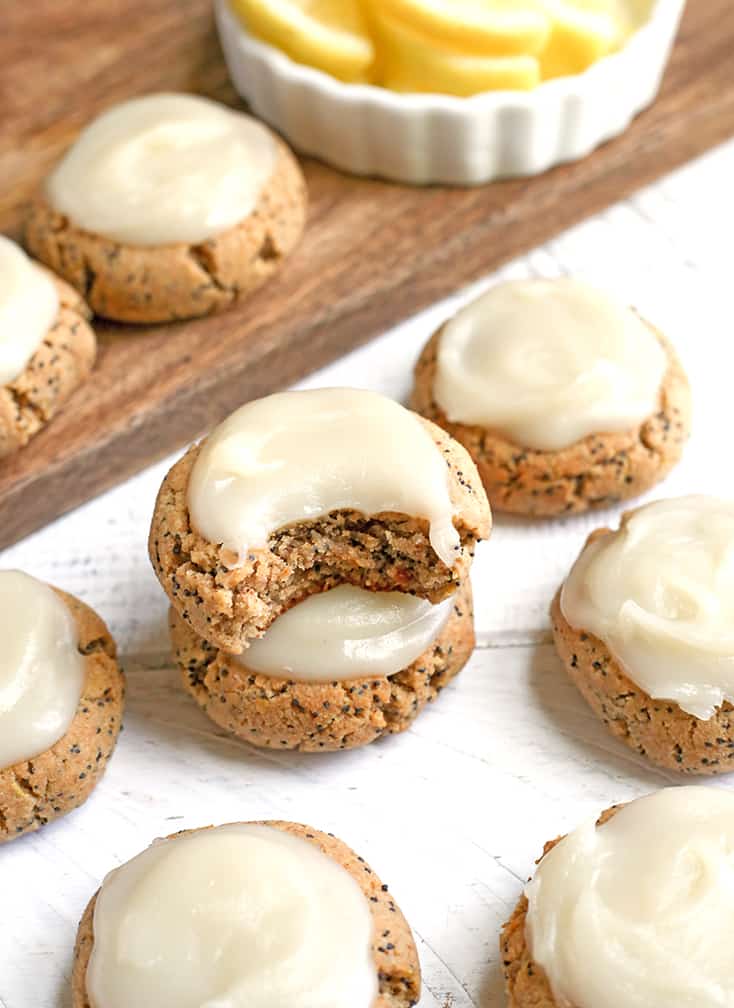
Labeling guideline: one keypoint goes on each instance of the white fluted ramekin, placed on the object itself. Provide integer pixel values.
(423, 138)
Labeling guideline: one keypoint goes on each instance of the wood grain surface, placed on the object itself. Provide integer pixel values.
(373, 252)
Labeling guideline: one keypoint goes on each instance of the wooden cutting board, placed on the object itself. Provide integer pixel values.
(373, 253)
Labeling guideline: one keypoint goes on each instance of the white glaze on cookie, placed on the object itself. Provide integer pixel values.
(547, 363)
(297, 456)
(163, 169)
(660, 594)
(240, 916)
(347, 633)
(29, 304)
(41, 670)
(639, 911)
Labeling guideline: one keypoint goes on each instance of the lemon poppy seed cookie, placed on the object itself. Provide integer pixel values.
(300, 492)
(631, 909)
(565, 400)
(266, 913)
(169, 207)
(47, 347)
(66, 695)
(335, 672)
(643, 628)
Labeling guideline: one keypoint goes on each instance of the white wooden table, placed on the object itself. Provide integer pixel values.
(453, 813)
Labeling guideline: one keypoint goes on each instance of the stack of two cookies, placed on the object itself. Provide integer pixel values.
(316, 549)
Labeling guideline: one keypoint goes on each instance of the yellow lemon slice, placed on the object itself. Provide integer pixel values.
(581, 34)
(330, 35)
(410, 63)
(628, 16)
(477, 27)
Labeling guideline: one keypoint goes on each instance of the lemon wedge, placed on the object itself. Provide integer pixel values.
(474, 27)
(582, 33)
(330, 35)
(411, 63)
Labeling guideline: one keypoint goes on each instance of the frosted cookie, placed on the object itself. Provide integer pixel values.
(47, 347)
(169, 207)
(302, 491)
(564, 399)
(266, 914)
(643, 625)
(632, 910)
(61, 699)
(336, 671)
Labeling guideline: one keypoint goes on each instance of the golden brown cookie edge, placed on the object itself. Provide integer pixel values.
(166, 283)
(62, 362)
(325, 716)
(655, 729)
(40, 790)
(526, 982)
(597, 471)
